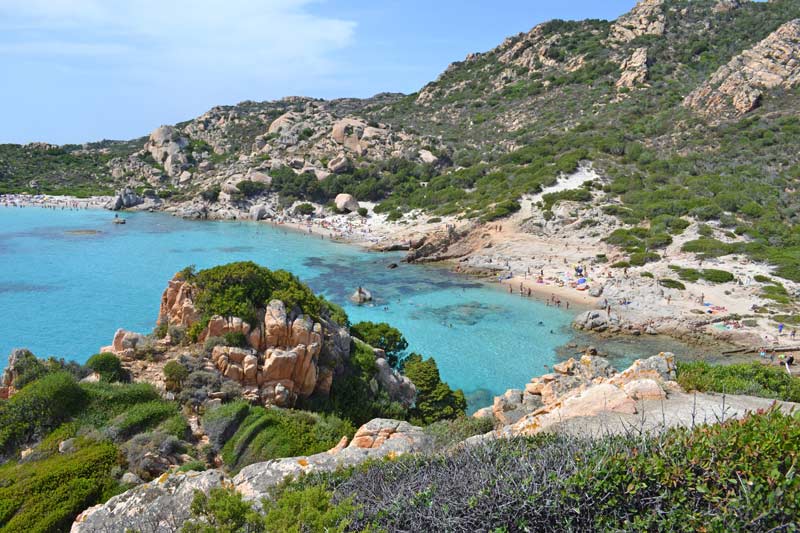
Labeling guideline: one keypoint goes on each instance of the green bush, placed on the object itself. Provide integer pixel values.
(240, 289)
(449, 432)
(48, 494)
(270, 433)
(363, 212)
(222, 422)
(108, 400)
(304, 209)
(251, 188)
(37, 409)
(108, 366)
(141, 417)
(196, 466)
(753, 379)
(211, 194)
(174, 374)
(237, 339)
(672, 284)
(435, 399)
(382, 335)
(176, 426)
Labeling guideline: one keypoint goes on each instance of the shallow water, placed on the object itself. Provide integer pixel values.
(69, 279)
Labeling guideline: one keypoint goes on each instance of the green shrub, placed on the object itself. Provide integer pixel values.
(108, 366)
(270, 433)
(196, 466)
(435, 399)
(448, 432)
(309, 508)
(672, 284)
(108, 400)
(222, 422)
(753, 379)
(37, 409)
(251, 188)
(174, 374)
(642, 258)
(304, 209)
(176, 426)
(717, 276)
(141, 417)
(237, 339)
(363, 212)
(211, 194)
(240, 289)
(382, 335)
(222, 510)
(48, 494)
(647, 275)
(394, 215)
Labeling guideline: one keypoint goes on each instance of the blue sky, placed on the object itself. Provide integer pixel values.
(81, 70)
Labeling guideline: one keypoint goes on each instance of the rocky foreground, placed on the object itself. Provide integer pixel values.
(585, 396)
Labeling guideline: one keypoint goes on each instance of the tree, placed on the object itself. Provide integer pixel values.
(108, 366)
(175, 373)
(435, 399)
(382, 335)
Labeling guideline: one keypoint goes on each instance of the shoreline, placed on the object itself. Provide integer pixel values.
(376, 234)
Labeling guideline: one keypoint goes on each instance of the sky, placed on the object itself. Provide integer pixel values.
(73, 71)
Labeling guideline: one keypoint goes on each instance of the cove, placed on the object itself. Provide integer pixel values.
(69, 279)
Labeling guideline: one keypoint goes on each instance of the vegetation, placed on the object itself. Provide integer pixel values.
(735, 476)
(753, 379)
(108, 366)
(240, 289)
(710, 274)
(382, 335)
(435, 399)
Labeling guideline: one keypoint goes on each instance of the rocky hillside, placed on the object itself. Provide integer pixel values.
(686, 108)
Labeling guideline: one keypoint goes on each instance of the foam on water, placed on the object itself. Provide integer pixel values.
(69, 279)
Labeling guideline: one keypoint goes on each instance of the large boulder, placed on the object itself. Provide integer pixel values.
(166, 145)
(164, 504)
(159, 506)
(346, 202)
(124, 199)
(339, 164)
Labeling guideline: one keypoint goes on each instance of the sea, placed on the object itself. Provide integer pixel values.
(70, 278)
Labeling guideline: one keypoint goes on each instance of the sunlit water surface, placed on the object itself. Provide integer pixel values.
(69, 279)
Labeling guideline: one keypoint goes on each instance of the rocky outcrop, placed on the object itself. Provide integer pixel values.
(581, 388)
(125, 344)
(634, 70)
(288, 355)
(124, 199)
(164, 504)
(166, 146)
(738, 87)
(724, 6)
(346, 202)
(361, 296)
(595, 320)
(646, 18)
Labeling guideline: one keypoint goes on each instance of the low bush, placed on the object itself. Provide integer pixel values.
(304, 209)
(175, 374)
(237, 339)
(269, 433)
(108, 366)
(448, 432)
(141, 417)
(48, 494)
(671, 284)
(754, 379)
(37, 409)
(221, 423)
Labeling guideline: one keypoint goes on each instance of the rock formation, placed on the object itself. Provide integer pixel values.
(646, 18)
(164, 504)
(737, 88)
(288, 355)
(634, 69)
(346, 202)
(166, 146)
(125, 198)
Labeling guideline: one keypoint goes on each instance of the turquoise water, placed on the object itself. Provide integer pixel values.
(69, 279)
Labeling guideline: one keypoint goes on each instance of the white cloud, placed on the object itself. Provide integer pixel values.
(200, 40)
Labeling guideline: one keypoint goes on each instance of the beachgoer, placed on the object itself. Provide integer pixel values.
(780, 328)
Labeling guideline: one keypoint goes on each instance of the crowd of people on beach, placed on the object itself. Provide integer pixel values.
(51, 202)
